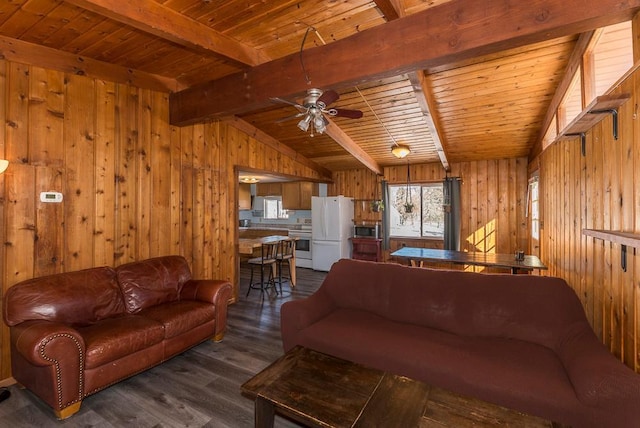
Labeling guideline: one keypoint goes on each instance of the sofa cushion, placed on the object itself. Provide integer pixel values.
(181, 316)
(526, 307)
(114, 338)
(513, 373)
(77, 298)
(151, 282)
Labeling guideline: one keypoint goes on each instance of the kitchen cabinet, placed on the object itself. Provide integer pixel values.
(244, 196)
(366, 249)
(297, 195)
(269, 189)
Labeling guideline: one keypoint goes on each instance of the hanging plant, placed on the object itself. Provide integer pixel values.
(408, 205)
(377, 206)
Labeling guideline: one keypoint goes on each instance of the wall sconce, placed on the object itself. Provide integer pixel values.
(400, 150)
(3, 165)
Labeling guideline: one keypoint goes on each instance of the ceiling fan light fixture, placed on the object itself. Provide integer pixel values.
(304, 123)
(400, 150)
(319, 124)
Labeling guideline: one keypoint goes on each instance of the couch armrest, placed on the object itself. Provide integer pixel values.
(45, 352)
(297, 314)
(598, 377)
(215, 291)
(44, 343)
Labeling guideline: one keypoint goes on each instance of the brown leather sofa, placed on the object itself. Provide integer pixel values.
(75, 333)
(520, 341)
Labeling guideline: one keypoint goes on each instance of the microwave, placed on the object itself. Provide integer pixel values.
(366, 231)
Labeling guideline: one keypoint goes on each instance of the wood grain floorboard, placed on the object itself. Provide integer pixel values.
(199, 388)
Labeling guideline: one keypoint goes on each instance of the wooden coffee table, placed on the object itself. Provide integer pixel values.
(319, 390)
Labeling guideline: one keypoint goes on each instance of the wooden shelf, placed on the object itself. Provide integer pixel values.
(594, 113)
(622, 238)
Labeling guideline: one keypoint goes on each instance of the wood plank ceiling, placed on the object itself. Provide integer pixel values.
(484, 106)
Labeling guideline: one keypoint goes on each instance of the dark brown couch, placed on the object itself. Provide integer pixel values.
(520, 341)
(75, 333)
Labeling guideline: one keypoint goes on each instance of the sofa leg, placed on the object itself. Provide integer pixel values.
(218, 337)
(68, 411)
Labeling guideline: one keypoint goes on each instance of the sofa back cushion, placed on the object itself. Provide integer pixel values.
(526, 307)
(153, 281)
(77, 298)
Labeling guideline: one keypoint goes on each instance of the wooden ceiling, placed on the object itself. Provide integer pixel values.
(453, 79)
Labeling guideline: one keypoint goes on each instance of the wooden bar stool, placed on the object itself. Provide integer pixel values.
(285, 254)
(266, 260)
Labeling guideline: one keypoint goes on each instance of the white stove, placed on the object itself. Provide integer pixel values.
(303, 245)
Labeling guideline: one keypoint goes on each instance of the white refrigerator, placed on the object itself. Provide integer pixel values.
(331, 228)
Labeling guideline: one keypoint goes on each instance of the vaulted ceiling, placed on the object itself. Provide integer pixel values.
(456, 80)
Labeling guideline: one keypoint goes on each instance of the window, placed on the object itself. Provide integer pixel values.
(607, 59)
(273, 209)
(613, 55)
(425, 219)
(535, 209)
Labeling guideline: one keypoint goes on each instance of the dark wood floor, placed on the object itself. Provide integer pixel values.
(200, 388)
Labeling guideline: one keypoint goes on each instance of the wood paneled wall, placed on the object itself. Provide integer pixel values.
(493, 200)
(598, 191)
(362, 185)
(134, 187)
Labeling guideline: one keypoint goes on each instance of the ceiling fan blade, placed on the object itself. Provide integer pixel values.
(296, 105)
(327, 98)
(341, 112)
(284, 119)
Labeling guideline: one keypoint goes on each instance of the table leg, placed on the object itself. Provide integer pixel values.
(265, 413)
(292, 263)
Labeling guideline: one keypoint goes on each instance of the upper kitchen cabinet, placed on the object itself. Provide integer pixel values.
(297, 195)
(269, 189)
(244, 196)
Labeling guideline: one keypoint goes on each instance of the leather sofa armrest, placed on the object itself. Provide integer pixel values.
(44, 343)
(295, 315)
(598, 377)
(49, 360)
(215, 291)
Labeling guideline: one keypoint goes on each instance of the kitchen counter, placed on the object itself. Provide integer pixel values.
(259, 232)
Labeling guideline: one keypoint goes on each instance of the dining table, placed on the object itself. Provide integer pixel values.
(496, 260)
(246, 247)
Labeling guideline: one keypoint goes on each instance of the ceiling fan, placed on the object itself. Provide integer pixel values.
(315, 107)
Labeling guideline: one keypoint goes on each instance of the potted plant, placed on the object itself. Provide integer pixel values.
(408, 207)
(377, 206)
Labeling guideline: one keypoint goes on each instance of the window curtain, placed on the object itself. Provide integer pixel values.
(451, 187)
(385, 214)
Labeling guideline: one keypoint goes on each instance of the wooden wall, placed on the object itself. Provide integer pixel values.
(493, 199)
(598, 191)
(134, 187)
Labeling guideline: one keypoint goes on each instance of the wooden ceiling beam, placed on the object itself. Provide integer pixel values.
(340, 137)
(41, 56)
(162, 21)
(389, 8)
(451, 32)
(421, 89)
(269, 141)
(424, 96)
